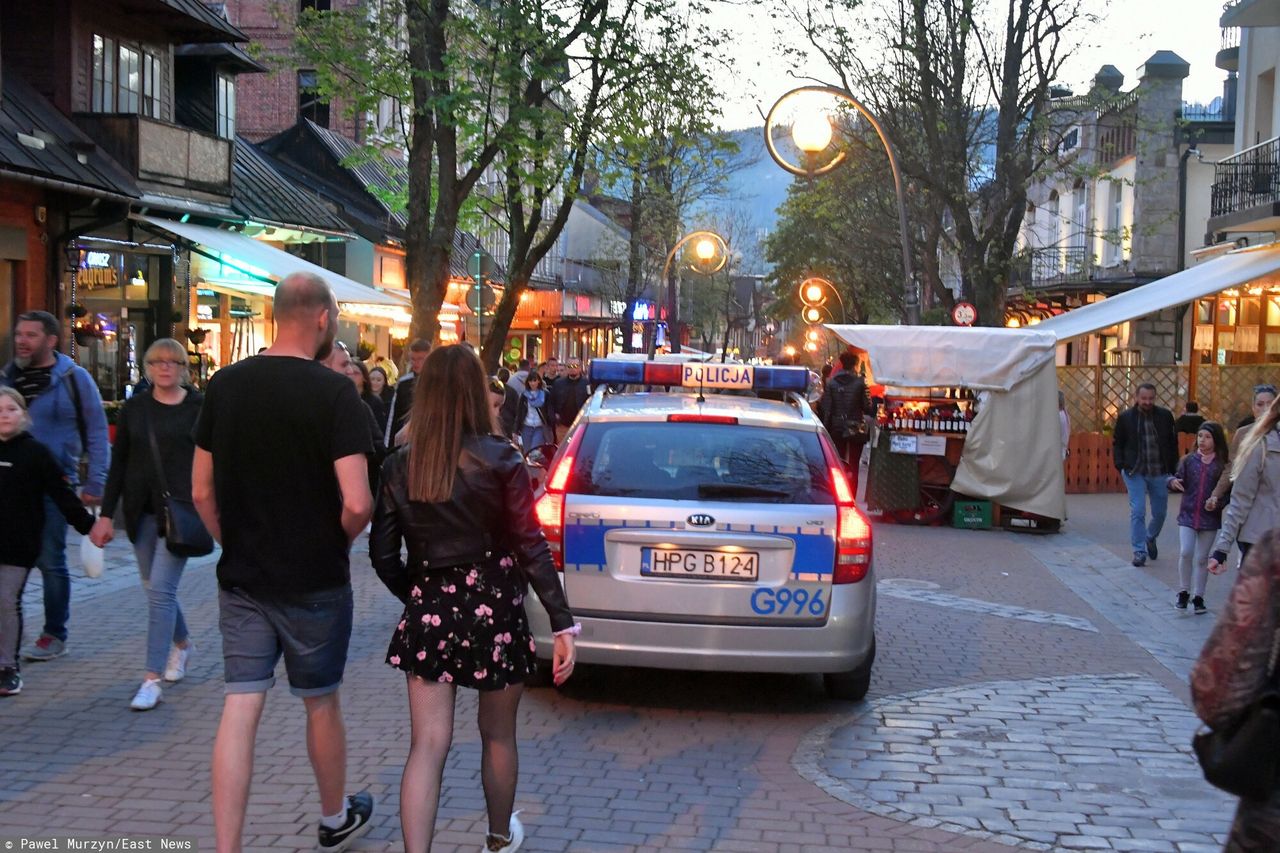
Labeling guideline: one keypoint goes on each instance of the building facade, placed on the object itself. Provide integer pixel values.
(1125, 206)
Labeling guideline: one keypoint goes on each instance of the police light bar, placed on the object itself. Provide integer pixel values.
(700, 375)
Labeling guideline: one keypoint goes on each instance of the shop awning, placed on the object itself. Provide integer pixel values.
(1205, 279)
(243, 253)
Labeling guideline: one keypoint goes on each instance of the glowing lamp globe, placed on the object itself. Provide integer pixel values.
(812, 335)
(812, 315)
(812, 132)
(705, 249)
(813, 293)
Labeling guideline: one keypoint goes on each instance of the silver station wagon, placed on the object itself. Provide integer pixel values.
(704, 528)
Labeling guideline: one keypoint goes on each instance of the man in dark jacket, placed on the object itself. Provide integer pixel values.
(402, 395)
(843, 410)
(1190, 420)
(1145, 448)
(568, 396)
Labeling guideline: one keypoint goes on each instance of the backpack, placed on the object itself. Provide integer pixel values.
(846, 401)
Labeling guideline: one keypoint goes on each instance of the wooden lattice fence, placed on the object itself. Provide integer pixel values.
(1095, 395)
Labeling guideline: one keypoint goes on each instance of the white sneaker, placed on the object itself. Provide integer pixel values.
(175, 669)
(515, 837)
(147, 697)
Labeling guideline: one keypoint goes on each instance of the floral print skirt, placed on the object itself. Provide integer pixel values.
(465, 625)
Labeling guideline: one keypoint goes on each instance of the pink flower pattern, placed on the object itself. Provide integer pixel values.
(466, 626)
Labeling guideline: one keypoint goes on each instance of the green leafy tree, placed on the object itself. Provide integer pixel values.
(963, 88)
(482, 89)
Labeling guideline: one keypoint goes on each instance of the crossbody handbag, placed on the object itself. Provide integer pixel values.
(1241, 758)
(184, 533)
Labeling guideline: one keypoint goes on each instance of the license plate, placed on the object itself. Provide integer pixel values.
(699, 564)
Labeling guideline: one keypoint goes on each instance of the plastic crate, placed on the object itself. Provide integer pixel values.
(971, 515)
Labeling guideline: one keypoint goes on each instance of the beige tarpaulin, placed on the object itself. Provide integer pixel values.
(1013, 452)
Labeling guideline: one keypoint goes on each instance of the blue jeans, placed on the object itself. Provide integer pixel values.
(1145, 489)
(534, 436)
(161, 571)
(53, 569)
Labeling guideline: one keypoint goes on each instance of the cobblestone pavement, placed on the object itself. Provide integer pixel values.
(630, 760)
(1082, 762)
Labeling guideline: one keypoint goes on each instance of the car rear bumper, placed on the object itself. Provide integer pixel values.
(841, 645)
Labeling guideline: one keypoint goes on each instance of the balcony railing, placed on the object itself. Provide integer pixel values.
(1035, 269)
(1247, 179)
(158, 152)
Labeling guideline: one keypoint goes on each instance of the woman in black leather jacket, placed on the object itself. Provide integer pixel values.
(459, 498)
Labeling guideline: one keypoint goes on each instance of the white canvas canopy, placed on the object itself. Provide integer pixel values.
(1205, 279)
(1012, 454)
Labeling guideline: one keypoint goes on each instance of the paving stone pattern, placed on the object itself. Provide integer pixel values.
(1084, 762)
(1137, 604)
(916, 592)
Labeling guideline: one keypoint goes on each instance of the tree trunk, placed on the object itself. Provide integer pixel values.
(496, 338)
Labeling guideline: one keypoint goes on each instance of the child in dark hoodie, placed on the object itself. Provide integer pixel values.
(1197, 474)
(28, 472)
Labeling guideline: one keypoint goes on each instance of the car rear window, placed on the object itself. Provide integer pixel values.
(697, 461)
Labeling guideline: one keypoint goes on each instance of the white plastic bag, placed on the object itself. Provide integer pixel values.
(91, 558)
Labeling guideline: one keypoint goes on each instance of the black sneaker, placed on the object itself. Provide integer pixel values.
(1198, 604)
(359, 812)
(1152, 550)
(10, 681)
(1183, 598)
(1139, 559)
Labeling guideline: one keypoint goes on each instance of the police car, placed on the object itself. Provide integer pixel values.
(703, 530)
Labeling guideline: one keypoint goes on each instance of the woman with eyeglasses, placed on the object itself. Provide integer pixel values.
(156, 423)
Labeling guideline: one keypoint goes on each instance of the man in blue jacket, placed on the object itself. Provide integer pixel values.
(67, 417)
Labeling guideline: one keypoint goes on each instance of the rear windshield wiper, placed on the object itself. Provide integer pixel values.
(741, 490)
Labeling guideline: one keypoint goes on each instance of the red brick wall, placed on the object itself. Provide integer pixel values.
(18, 203)
(267, 104)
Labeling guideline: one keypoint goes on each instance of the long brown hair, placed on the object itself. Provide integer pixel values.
(450, 402)
(1256, 435)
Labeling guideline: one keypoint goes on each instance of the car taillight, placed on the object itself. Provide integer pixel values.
(550, 510)
(701, 419)
(853, 545)
(550, 507)
(853, 530)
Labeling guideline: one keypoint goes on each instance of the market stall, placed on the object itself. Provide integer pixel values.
(968, 412)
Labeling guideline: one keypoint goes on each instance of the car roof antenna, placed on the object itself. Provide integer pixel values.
(702, 375)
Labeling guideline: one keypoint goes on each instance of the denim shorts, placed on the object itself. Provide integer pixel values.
(310, 630)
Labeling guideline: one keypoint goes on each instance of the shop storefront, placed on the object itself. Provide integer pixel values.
(120, 300)
(1240, 325)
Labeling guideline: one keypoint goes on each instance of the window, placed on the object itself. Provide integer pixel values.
(310, 105)
(151, 85)
(125, 79)
(318, 5)
(129, 81)
(1115, 212)
(676, 461)
(226, 105)
(104, 75)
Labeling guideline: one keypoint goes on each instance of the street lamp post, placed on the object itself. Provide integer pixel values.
(710, 250)
(812, 293)
(812, 133)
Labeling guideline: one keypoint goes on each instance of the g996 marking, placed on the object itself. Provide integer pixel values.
(788, 601)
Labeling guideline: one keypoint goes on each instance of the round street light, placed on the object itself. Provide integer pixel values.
(811, 131)
(813, 295)
(812, 315)
(712, 253)
(812, 335)
(705, 249)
